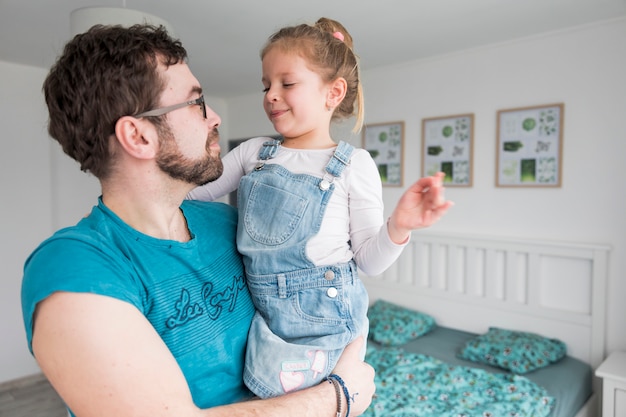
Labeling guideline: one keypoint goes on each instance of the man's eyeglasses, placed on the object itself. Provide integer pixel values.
(159, 112)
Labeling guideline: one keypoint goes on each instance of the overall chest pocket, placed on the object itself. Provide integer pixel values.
(272, 215)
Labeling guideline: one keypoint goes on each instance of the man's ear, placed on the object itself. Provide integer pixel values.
(336, 93)
(138, 137)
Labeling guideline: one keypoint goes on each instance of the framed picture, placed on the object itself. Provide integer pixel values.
(385, 142)
(447, 144)
(530, 144)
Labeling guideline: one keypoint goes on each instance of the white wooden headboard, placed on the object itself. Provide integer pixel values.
(470, 283)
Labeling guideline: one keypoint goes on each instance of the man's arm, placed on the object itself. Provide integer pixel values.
(105, 359)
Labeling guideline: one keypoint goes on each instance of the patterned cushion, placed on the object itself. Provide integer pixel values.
(518, 352)
(393, 325)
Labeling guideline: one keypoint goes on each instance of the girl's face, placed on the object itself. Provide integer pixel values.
(295, 96)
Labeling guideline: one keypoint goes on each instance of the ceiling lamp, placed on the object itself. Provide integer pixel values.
(83, 19)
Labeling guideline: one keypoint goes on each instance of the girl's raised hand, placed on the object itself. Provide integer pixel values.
(421, 205)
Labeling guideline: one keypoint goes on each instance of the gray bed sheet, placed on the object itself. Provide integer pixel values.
(568, 380)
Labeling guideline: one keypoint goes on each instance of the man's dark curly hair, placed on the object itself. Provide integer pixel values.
(104, 74)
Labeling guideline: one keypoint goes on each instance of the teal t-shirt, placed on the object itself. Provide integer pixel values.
(193, 293)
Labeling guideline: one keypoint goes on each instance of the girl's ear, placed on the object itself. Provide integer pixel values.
(138, 137)
(336, 93)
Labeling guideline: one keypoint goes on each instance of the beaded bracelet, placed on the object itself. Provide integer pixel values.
(336, 380)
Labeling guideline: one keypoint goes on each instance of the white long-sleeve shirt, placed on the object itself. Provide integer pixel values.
(353, 226)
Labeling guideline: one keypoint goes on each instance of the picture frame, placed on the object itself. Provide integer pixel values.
(447, 146)
(530, 146)
(385, 143)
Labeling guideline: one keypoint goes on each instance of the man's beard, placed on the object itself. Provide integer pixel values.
(197, 172)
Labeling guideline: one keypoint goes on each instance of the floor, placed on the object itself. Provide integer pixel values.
(31, 396)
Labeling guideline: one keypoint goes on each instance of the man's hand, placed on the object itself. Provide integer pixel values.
(358, 377)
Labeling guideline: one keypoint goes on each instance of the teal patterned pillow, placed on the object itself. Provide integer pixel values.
(518, 352)
(393, 325)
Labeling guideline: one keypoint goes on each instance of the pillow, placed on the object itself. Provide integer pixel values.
(518, 352)
(393, 325)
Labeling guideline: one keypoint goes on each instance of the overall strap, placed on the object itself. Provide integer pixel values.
(269, 149)
(337, 163)
(340, 159)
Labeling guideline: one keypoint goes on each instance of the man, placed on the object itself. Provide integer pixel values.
(141, 308)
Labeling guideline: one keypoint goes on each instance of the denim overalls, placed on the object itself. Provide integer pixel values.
(306, 314)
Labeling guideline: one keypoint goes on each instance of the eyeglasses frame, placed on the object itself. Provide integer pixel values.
(163, 110)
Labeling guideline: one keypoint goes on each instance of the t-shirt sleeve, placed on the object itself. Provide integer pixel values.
(70, 264)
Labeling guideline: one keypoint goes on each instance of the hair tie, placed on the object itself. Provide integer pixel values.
(338, 35)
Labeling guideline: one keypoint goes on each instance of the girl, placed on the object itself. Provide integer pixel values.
(310, 211)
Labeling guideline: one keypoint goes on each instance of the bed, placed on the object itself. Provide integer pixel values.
(470, 286)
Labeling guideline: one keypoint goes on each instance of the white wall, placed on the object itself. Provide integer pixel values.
(42, 189)
(25, 212)
(584, 68)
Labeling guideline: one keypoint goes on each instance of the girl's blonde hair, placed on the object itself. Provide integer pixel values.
(327, 46)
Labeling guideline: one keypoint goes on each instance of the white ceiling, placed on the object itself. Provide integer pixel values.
(223, 37)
